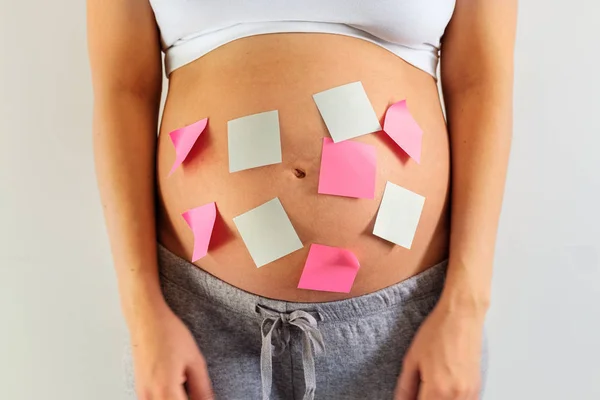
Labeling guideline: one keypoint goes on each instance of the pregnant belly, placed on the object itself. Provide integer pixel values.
(282, 72)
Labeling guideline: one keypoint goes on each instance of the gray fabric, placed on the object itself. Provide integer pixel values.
(312, 343)
(259, 348)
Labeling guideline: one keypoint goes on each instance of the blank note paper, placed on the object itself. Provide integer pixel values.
(347, 111)
(267, 232)
(254, 141)
(201, 221)
(398, 216)
(348, 169)
(329, 269)
(403, 129)
(184, 139)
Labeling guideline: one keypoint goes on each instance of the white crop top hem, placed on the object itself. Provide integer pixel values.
(190, 48)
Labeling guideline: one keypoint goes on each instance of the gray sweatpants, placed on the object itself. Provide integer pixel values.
(258, 348)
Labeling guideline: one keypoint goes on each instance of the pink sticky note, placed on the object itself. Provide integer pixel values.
(348, 168)
(202, 221)
(403, 129)
(329, 269)
(184, 139)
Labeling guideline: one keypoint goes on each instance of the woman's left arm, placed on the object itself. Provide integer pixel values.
(443, 361)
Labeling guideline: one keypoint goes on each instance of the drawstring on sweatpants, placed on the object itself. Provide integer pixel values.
(275, 329)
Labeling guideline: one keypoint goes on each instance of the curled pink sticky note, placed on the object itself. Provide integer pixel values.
(201, 221)
(329, 269)
(184, 139)
(403, 129)
(348, 169)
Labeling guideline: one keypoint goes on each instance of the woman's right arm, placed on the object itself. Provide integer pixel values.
(124, 51)
(126, 74)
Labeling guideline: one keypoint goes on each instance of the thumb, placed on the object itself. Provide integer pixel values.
(198, 381)
(408, 384)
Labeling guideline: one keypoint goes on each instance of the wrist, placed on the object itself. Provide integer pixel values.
(467, 288)
(144, 318)
(141, 299)
(464, 302)
(465, 296)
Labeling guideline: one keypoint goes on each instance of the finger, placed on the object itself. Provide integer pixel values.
(428, 392)
(198, 382)
(179, 394)
(164, 393)
(476, 394)
(408, 384)
(441, 392)
(424, 392)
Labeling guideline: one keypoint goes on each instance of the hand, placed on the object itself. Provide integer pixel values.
(166, 357)
(443, 361)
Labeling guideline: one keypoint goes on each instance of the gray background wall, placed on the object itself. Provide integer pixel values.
(60, 326)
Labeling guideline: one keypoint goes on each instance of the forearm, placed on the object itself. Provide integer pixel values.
(124, 149)
(480, 125)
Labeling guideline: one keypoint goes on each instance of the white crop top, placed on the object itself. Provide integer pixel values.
(411, 29)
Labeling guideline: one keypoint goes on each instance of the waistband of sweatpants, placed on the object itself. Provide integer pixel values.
(209, 288)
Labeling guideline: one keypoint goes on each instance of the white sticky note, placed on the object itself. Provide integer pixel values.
(267, 232)
(347, 111)
(254, 141)
(398, 215)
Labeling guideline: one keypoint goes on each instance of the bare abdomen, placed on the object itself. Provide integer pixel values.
(282, 72)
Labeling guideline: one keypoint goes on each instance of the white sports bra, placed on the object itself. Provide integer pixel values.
(411, 29)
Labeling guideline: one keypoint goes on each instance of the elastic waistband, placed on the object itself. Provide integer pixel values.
(212, 289)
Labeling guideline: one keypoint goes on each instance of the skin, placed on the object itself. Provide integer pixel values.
(443, 360)
(131, 164)
(196, 90)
